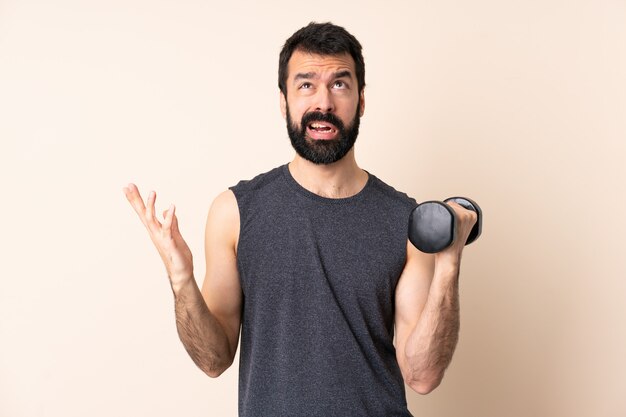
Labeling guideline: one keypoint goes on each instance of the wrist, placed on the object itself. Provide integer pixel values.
(182, 283)
(447, 264)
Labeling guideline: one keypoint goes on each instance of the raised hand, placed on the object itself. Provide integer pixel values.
(166, 237)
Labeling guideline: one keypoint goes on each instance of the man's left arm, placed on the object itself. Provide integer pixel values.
(427, 309)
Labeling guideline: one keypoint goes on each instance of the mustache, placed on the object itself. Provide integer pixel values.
(318, 116)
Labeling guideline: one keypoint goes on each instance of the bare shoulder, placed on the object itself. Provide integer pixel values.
(223, 218)
(220, 248)
(225, 205)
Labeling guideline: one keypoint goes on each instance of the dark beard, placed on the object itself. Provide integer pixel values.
(323, 152)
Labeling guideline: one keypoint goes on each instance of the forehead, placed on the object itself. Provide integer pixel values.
(305, 62)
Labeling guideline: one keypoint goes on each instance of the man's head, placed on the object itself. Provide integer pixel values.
(321, 39)
(321, 77)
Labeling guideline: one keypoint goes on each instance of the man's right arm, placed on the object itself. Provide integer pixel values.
(208, 320)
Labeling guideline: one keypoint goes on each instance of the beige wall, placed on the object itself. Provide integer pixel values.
(520, 105)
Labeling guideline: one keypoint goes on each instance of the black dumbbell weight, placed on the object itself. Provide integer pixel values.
(432, 224)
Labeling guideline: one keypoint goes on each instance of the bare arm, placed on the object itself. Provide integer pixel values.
(207, 321)
(427, 310)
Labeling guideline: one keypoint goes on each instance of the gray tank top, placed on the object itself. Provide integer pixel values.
(318, 277)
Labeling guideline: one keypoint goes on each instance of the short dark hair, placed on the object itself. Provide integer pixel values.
(321, 39)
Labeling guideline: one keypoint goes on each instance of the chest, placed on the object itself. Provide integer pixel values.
(356, 251)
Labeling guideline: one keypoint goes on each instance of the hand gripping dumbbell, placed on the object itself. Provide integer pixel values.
(432, 224)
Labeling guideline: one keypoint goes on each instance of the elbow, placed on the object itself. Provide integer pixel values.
(214, 369)
(423, 388)
(425, 384)
(214, 372)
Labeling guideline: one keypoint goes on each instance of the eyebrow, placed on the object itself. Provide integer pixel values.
(312, 75)
(342, 74)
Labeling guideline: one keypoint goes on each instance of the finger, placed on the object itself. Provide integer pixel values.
(152, 220)
(454, 205)
(127, 190)
(464, 214)
(167, 222)
(134, 197)
(132, 194)
(459, 209)
(175, 224)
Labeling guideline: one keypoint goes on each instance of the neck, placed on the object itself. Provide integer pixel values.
(341, 179)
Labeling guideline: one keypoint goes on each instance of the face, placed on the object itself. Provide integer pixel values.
(323, 106)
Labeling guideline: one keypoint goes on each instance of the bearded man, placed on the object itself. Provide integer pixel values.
(310, 262)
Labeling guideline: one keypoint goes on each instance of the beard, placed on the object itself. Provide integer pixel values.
(323, 152)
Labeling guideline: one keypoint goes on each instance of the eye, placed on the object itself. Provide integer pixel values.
(305, 86)
(340, 84)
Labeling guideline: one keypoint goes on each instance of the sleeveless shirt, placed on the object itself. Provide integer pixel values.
(318, 277)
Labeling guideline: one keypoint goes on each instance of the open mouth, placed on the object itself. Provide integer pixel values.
(322, 130)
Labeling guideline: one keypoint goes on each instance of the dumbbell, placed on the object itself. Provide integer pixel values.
(432, 224)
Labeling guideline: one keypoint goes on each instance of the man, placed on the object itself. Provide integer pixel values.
(311, 262)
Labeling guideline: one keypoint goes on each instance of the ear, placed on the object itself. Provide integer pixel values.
(362, 103)
(283, 105)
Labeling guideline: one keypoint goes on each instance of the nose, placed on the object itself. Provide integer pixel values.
(324, 101)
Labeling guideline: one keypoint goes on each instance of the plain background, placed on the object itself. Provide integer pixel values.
(520, 105)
